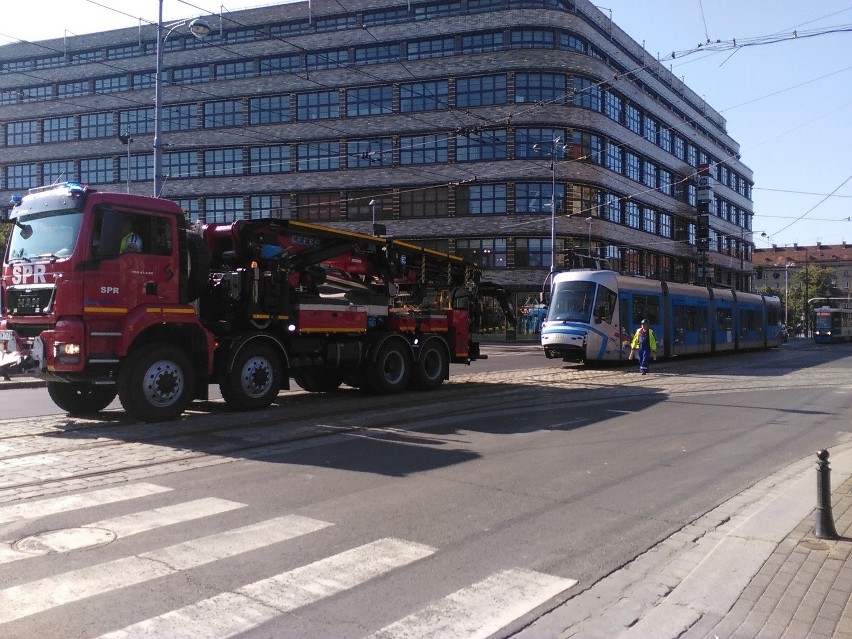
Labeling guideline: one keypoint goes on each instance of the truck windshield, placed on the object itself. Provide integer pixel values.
(44, 235)
(572, 302)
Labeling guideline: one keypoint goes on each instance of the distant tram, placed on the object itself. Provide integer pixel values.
(593, 315)
(832, 325)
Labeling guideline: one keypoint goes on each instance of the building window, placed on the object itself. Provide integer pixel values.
(141, 168)
(649, 220)
(532, 39)
(231, 70)
(336, 23)
(96, 125)
(319, 207)
(481, 42)
(486, 199)
(19, 133)
(487, 253)
(534, 197)
(97, 171)
(318, 106)
(481, 91)
(540, 87)
(424, 203)
(318, 156)
(587, 94)
(588, 146)
(649, 174)
(377, 54)
(223, 162)
(181, 164)
(327, 60)
(481, 145)
(59, 171)
(36, 94)
(369, 101)
(633, 118)
(191, 75)
(570, 42)
(532, 252)
(614, 107)
(389, 16)
(280, 64)
(526, 139)
(223, 113)
(21, 176)
(612, 208)
(362, 154)
(191, 208)
(435, 48)
(423, 149)
(665, 221)
(269, 159)
(679, 147)
(224, 209)
(271, 109)
(423, 96)
(666, 140)
(613, 157)
(631, 215)
(71, 89)
(633, 165)
(652, 129)
(265, 206)
(180, 117)
(112, 84)
(136, 121)
(142, 80)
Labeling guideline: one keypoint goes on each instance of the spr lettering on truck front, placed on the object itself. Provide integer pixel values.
(110, 294)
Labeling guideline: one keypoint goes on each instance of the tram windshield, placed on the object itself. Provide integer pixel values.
(572, 302)
(822, 321)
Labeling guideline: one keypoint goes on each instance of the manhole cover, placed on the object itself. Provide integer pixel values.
(813, 544)
(56, 541)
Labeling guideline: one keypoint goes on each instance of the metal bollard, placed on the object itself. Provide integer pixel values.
(824, 524)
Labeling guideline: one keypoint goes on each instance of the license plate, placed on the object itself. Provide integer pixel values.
(6, 336)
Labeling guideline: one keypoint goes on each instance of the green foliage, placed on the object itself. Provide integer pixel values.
(810, 283)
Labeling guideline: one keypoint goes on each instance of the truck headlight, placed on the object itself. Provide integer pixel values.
(67, 352)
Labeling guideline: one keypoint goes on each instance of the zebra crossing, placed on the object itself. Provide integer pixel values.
(477, 610)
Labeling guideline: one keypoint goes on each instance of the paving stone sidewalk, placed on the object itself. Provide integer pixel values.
(803, 591)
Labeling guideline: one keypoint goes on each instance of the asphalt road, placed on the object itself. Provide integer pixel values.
(468, 511)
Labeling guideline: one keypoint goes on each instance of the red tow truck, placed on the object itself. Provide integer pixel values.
(111, 294)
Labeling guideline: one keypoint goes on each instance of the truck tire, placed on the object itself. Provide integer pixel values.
(156, 383)
(319, 381)
(254, 379)
(199, 266)
(79, 398)
(391, 370)
(430, 369)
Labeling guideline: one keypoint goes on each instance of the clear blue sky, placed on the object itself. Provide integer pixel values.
(787, 103)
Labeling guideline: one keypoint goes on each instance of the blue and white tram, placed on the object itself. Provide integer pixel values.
(593, 314)
(832, 325)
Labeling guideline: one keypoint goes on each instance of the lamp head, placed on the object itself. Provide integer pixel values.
(199, 28)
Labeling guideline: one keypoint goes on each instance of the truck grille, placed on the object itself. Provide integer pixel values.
(27, 300)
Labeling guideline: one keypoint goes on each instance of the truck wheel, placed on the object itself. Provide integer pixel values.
(391, 370)
(431, 367)
(156, 383)
(254, 379)
(80, 399)
(319, 381)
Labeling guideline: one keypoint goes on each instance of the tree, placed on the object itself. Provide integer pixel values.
(807, 283)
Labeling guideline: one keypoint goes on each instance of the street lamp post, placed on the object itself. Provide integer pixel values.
(555, 147)
(200, 29)
(786, 296)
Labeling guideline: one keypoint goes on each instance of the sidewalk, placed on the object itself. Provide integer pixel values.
(750, 569)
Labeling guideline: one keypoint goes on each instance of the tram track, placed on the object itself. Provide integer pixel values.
(58, 453)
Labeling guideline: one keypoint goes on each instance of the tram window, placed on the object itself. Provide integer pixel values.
(724, 320)
(605, 304)
(646, 307)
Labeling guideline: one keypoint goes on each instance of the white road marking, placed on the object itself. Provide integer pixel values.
(123, 526)
(34, 510)
(50, 592)
(232, 613)
(480, 610)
